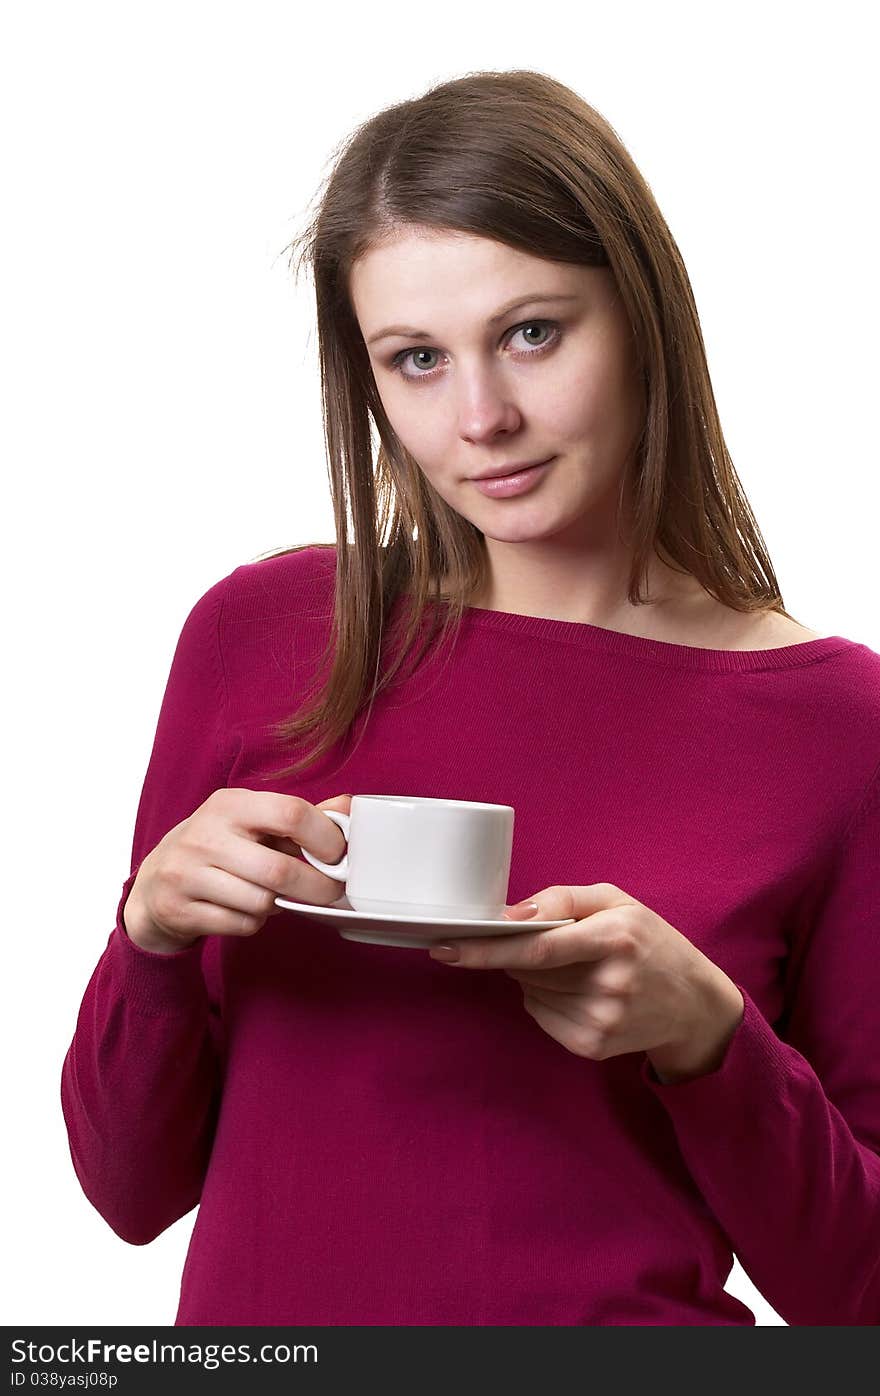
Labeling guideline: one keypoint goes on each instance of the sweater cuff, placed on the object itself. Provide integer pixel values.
(157, 985)
(753, 1053)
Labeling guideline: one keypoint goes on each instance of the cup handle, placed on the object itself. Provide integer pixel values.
(339, 870)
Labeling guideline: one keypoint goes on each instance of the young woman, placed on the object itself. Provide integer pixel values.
(573, 1126)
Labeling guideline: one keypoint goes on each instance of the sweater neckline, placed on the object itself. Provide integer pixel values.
(664, 652)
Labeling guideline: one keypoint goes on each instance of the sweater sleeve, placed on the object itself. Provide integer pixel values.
(141, 1079)
(783, 1138)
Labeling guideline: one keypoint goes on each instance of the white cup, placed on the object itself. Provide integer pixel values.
(409, 855)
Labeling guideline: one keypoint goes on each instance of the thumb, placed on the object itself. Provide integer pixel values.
(569, 903)
(337, 802)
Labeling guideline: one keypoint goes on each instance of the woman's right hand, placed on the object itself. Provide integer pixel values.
(219, 872)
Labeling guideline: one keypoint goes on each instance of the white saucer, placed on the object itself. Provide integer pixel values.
(422, 930)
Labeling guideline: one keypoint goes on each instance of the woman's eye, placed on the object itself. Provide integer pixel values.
(417, 356)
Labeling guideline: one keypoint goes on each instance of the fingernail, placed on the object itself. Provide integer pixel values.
(448, 953)
(522, 911)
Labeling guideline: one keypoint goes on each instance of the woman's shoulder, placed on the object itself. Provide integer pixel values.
(302, 561)
(273, 584)
(839, 680)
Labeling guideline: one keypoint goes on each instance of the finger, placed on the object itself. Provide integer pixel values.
(588, 941)
(570, 979)
(558, 903)
(279, 873)
(288, 816)
(277, 841)
(207, 918)
(561, 1004)
(285, 845)
(559, 1026)
(224, 889)
(342, 802)
(217, 885)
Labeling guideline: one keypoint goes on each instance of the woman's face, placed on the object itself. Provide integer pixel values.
(469, 386)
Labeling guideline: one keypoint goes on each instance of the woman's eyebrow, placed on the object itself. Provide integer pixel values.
(540, 296)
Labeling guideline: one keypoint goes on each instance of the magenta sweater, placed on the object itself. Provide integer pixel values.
(376, 1138)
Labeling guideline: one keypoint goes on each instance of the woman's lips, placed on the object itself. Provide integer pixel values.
(504, 485)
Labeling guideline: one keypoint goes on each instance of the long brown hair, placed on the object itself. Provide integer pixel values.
(518, 157)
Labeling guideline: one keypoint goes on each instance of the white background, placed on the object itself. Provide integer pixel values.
(162, 419)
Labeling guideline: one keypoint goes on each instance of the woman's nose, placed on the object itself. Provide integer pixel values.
(485, 408)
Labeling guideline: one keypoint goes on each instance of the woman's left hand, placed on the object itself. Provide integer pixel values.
(621, 979)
